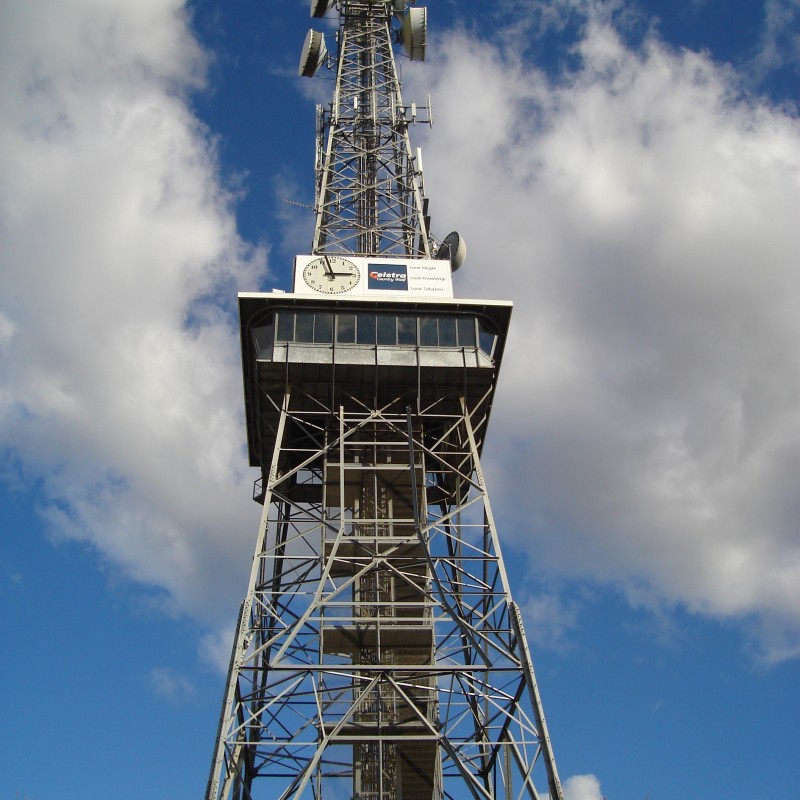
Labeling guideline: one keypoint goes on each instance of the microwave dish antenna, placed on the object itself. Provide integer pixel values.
(453, 249)
(313, 54)
(319, 8)
(415, 33)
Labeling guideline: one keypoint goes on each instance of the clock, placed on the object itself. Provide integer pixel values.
(331, 275)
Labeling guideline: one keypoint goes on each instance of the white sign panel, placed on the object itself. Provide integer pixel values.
(372, 277)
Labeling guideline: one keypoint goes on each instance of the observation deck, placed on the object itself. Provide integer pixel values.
(433, 351)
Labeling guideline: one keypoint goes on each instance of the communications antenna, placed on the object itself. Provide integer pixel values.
(378, 653)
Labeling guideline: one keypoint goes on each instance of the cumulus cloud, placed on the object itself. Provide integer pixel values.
(779, 42)
(639, 209)
(582, 787)
(642, 213)
(171, 685)
(215, 648)
(120, 384)
(550, 620)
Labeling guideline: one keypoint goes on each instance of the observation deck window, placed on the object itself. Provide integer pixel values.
(406, 330)
(367, 328)
(447, 332)
(371, 328)
(303, 326)
(346, 328)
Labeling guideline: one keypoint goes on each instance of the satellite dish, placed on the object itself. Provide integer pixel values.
(314, 52)
(415, 33)
(453, 249)
(320, 7)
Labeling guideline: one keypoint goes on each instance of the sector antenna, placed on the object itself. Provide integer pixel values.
(379, 653)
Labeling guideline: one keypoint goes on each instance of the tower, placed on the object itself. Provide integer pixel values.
(378, 654)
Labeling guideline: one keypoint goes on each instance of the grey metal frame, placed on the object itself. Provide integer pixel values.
(379, 620)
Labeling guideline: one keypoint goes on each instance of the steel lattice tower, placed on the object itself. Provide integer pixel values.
(369, 185)
(378, 654)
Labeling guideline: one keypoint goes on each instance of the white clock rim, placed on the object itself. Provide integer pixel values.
(355, 275)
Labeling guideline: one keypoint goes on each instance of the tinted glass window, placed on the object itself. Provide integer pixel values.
(487, 339)
(428, 334)
(387, 327)
(366, 329)
(406, 330)
(346, 328)
(262, 335)
(447, 332)
(285, 326)
(466, 332)
(304, 326)
(323, 328)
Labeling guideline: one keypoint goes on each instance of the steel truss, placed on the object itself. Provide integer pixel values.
(369, 196)
(379, 654)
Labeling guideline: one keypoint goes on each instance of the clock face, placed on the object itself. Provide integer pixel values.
(331, 274)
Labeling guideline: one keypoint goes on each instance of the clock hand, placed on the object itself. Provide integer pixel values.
(328, 269)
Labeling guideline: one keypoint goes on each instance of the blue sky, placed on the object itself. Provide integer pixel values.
(627, 173)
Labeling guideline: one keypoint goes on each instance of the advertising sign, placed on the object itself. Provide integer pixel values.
(383, 275)
(372, 277)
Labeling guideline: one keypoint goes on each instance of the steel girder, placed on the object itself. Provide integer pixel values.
(379, 654)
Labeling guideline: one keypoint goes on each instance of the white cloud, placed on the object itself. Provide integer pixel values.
(120, 383)
(779, 41)
(170, 684)
(643, 217)
(549, 620)
(215, 648)
(582, 787)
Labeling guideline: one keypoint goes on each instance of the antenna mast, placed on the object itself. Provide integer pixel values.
(369, 190)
